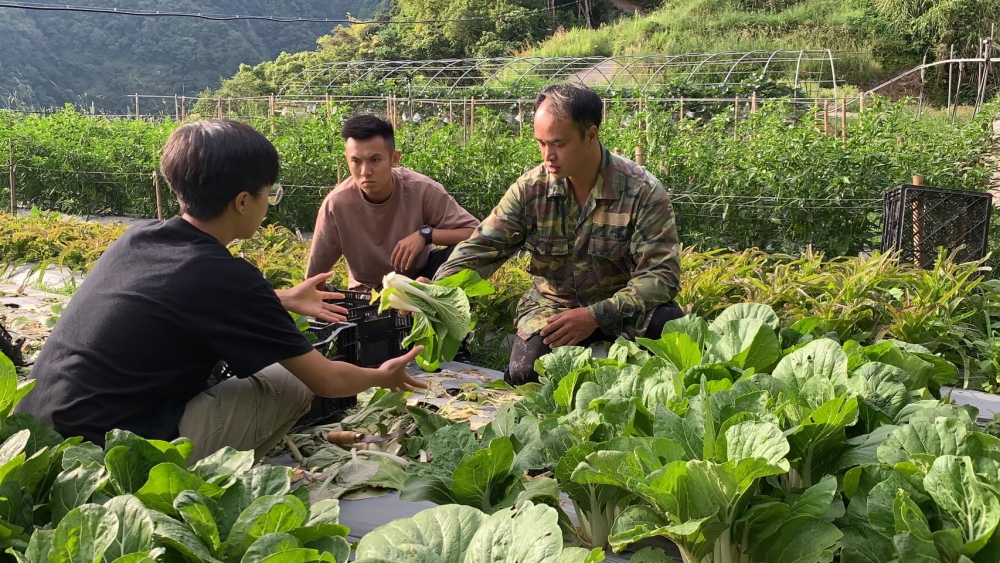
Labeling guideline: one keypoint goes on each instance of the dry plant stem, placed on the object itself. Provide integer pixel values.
(404, 463)
(293, 449)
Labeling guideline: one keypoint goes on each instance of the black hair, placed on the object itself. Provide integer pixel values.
(575, 101)
(364, 127)
(208, 163)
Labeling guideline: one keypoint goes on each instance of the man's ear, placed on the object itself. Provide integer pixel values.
(240, 202)
(592, 133)
(395, 158)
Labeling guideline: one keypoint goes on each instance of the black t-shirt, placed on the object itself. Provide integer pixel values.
(143, 333)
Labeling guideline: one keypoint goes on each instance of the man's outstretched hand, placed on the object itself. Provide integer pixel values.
(569, 328)
(307, 299)
(392, 374)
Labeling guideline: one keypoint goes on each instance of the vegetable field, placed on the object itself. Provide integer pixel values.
(773, 180)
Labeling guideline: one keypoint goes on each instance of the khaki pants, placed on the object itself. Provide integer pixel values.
(253, 413)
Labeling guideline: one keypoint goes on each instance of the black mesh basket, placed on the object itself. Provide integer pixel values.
(917, 220)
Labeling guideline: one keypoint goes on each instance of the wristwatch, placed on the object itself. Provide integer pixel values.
(427, 233)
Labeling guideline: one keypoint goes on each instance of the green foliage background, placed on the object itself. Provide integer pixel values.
(774, 182)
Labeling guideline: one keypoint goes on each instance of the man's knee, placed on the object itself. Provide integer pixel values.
(295, 398)
(661, 316)
(522, 360)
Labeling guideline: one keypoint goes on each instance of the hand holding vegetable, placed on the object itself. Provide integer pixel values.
(442, 314)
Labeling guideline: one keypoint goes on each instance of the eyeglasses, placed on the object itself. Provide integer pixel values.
(275, 194)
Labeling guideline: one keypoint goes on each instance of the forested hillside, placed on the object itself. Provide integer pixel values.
(51, 58)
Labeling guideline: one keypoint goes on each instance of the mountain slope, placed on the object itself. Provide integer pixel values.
(51, 58)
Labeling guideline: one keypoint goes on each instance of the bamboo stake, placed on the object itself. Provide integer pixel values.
(183, 108)
(218, 107)
(159, 201)
(681, 114)
(951, 69)
(13, 180)
(843, 121)
(638, 155)
(137, 106)
(604, 109)
(270, 111)
(329, 106)
(472, 118)
(520, 119)
(451, 113)
(177, 110)
(826, 117)
(958, 88)
(736, 120)
(920, 98)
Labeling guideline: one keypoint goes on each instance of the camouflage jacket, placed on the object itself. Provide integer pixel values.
(619, 256)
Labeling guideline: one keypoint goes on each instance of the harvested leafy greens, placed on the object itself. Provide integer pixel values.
(443, 316)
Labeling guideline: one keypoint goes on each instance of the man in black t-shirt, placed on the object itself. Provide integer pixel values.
(137, 343)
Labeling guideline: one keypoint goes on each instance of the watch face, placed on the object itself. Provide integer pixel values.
(425, 231)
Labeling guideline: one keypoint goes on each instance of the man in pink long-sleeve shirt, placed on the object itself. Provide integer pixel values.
(385, 218)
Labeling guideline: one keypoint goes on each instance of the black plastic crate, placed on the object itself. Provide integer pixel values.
(380, 335)
(916, 220)
(337, 342)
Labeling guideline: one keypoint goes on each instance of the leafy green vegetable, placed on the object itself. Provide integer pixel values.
(462, 534)
(442, 314)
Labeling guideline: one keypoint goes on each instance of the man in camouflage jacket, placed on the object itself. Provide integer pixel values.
(600, 232)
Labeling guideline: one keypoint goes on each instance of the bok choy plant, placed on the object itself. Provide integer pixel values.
(443, 316)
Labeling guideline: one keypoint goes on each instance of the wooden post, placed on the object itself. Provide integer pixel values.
(604, 109)
(229, 107)
(736, 120)
(638, 155)
(649, 133)
(843, 121)
(270, 111)
(472, 118)
(159, 201)
(218, 107)
(520, 118)
(753, 103)
(826, 117)
(451, 113)
(137, 106)
(680, 115)
(861, 103)
(177, 109)
(183, 108)
(951, 69)
(13, 181)
(329, 106)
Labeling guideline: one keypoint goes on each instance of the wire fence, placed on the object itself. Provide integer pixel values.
(149, 197)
